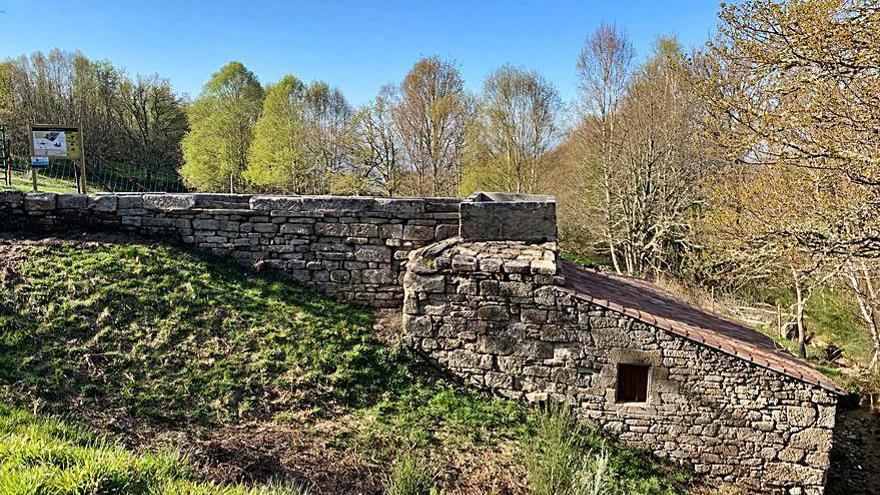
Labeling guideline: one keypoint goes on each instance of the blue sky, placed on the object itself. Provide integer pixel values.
(355, 45)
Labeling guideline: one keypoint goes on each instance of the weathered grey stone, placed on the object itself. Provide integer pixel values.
(268, 203)
(295, 228)
(372, 253)
(72, 201)
(205, 224)
(169, 201)
(418, 233)
(40, 201)
(527, 218)
(221, 201)
(11, 198)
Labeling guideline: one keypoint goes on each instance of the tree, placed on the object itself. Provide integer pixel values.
(743, 234)
(278, 157)
(328, 121)
(604, 70)
(222, 119)
(645, 165)
(132, 127)
(659, 165)
(791, 93)
(516, 126)
(795, 84)
(862, 277)
(375, 148)
(431, 116)
(153, 125)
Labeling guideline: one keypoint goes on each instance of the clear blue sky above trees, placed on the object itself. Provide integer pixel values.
(356, 45)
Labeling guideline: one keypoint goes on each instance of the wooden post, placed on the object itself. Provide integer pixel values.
(779, 321)
(34, 177)
(81, 186)
(9, 159)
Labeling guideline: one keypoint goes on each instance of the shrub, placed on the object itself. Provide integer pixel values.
(559, 459)
(411, 476)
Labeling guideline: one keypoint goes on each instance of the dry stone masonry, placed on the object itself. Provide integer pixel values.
(500, 315)
(350, 247)
(486, 295)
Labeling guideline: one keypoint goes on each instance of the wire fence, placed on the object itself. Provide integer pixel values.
(101, 176)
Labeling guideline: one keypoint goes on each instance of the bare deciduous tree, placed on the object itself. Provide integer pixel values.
(375, 147)
(431, 116)
(516, 127)
(862, 277)
(604, 69)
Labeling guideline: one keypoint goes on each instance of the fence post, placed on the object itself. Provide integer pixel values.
(81, 184)
(9, 158)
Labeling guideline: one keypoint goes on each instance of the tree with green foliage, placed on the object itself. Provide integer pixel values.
(222, 119)
(278, 157)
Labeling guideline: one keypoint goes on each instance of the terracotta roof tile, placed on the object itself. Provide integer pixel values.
(654, 306)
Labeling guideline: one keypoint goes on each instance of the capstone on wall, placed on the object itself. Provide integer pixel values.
(350, 247)
(498, 315)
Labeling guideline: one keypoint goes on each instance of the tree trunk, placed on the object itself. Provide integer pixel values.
(799, 315)
(866, 296)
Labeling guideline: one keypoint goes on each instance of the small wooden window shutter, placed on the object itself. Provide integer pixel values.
(632, 383)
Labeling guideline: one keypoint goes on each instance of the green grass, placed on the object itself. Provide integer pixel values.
(24, 182)
(168, 336)
(411, 476)
(51, 456)
(589, 261)
(834, 318)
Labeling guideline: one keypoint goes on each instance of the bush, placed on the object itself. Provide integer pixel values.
(411, 476)
(559, 459)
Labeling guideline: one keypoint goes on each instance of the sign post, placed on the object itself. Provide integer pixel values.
(60, 142)
(5, 156)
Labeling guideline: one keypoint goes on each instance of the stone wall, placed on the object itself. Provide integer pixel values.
(498, 315)
(350, 247)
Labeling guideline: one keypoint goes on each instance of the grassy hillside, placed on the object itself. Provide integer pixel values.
(256, 379)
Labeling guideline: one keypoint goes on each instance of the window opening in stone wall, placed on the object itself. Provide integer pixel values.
(632, 383)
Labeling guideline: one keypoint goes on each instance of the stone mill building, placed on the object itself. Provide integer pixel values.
(498, 307)
(486, 295)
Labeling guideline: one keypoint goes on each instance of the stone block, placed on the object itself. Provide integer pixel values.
(40, 201)
(445, 232)
(12, 199)
(526, 220)
(296, 228)
(72, 201)
(372, 253)
(129, 201)
(332, 229)
(168, 201)
(418, 233)
(205, 224)
(269, 203)
(494, 312)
